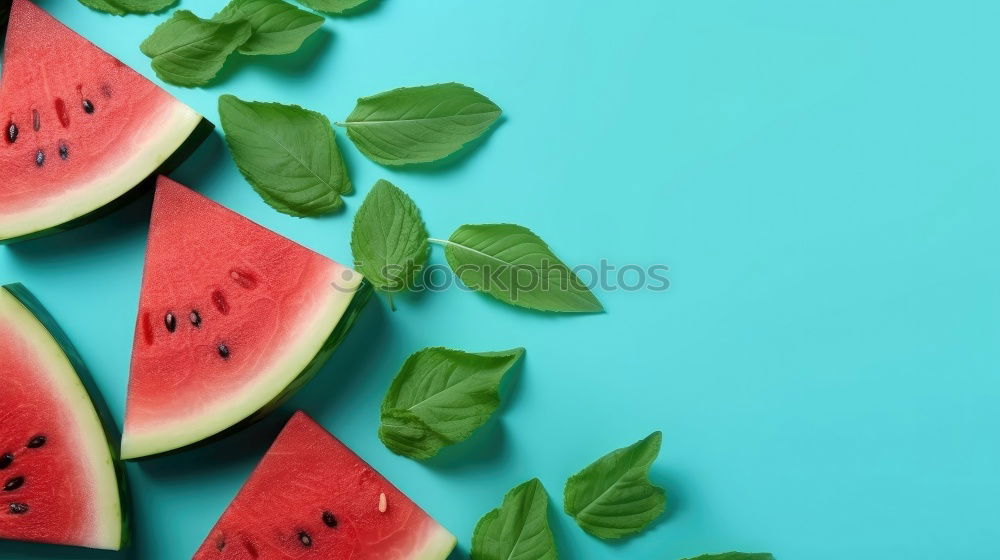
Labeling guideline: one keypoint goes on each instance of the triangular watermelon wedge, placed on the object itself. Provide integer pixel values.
(80, 130)
(232, 319)
(312, 497)
(59, 477)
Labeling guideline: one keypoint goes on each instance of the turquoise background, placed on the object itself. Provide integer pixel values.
(821, 178)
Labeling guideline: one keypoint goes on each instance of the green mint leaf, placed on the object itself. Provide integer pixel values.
(440, 396)
(389, 240)
(277, 26)
(735, 556)
(613, 498)
(419, 124)
(287, 153)
(189, 51)
(518, 529)
(122, 7)
(334, 6)
(514, 265)
(404, 433)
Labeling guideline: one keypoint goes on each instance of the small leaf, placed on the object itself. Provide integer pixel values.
(419, 124)
(122, 7)
(287, 153)
(277, 26)
(440, 397)
(613, 498)
(514, 265)
(735, 556)
(334, 6)
(389, 240)
(189, 51)
(518, 529)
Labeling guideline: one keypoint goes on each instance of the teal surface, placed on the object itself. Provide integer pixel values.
(821, 178)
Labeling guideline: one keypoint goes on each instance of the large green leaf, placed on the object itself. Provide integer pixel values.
(518, 529)
(277, 26)
(189, 51)
(419, 124)
(440, 397)
(334, 6)
(122, 7)
(389, 240)
(735, 556)
(613, 498)
(287, 153)
(514, 265)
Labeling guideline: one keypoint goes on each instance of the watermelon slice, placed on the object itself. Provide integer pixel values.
(59, 475)
(81, 131)
(312, 497)
(232, 319)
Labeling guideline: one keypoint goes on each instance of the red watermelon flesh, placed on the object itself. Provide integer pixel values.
(58, 482)
(79, 128)
(311, 497)
(232, 318)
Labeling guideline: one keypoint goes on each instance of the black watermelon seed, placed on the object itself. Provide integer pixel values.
(39, 158)
(63, 150)
(305, 539)
(224, 351)
(11, 132)
(6, 459)
(13, 484)
(220, 543)
(170, 321)
(36, 442)
(88, 107)
(36, 120)
(329, 519)
(195, 318)
(18, 509)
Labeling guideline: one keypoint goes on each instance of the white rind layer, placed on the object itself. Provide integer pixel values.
(160, 139)
(66, 385)
(439, 545)
(307, 340)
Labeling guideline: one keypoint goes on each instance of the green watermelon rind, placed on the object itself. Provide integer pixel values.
(4, 16)
(337, 336)
(438, 546)
(358, 301)
(111, 433)
(198, 135)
